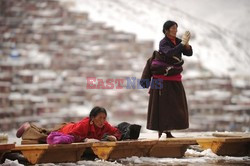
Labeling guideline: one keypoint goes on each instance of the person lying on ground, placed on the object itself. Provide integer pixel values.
(92, 128)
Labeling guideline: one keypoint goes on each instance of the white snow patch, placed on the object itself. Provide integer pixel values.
(11, 163)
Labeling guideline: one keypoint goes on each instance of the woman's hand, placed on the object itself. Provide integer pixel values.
(111, 138)
(185, 38)
(91, 140)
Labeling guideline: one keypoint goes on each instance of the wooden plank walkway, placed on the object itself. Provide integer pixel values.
(44, 153)
(174, 147)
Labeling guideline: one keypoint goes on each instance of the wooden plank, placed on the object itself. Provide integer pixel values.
(5, 148)
(121, 149)
(132, 148)
(175, 147)
(28, 142)
(44, 153)
(230, 146)
(186, 141)
(168, 150)
(231, 134)
(224, 139)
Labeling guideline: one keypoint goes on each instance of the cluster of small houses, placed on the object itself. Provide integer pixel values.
(47, 53)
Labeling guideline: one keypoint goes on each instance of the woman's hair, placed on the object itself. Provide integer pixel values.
(168, 24)
(96, 110)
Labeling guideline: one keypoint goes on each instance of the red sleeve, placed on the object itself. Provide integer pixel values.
(80, 131)
(113, 131)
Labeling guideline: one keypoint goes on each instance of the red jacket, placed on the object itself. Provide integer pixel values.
(83, 129)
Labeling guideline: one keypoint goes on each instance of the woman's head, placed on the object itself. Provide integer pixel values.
(170, 28)
(98, 116)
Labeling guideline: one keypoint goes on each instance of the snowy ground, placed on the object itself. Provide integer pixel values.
(192, 157)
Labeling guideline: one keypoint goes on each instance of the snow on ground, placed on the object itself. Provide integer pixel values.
(11, 163)
(208, 158)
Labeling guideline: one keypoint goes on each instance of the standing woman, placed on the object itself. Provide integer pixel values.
(167, 108)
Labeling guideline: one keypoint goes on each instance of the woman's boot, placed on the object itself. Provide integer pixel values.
(169, 135)
(159, 134)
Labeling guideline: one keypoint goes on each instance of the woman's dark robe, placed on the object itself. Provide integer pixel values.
(167, 108)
